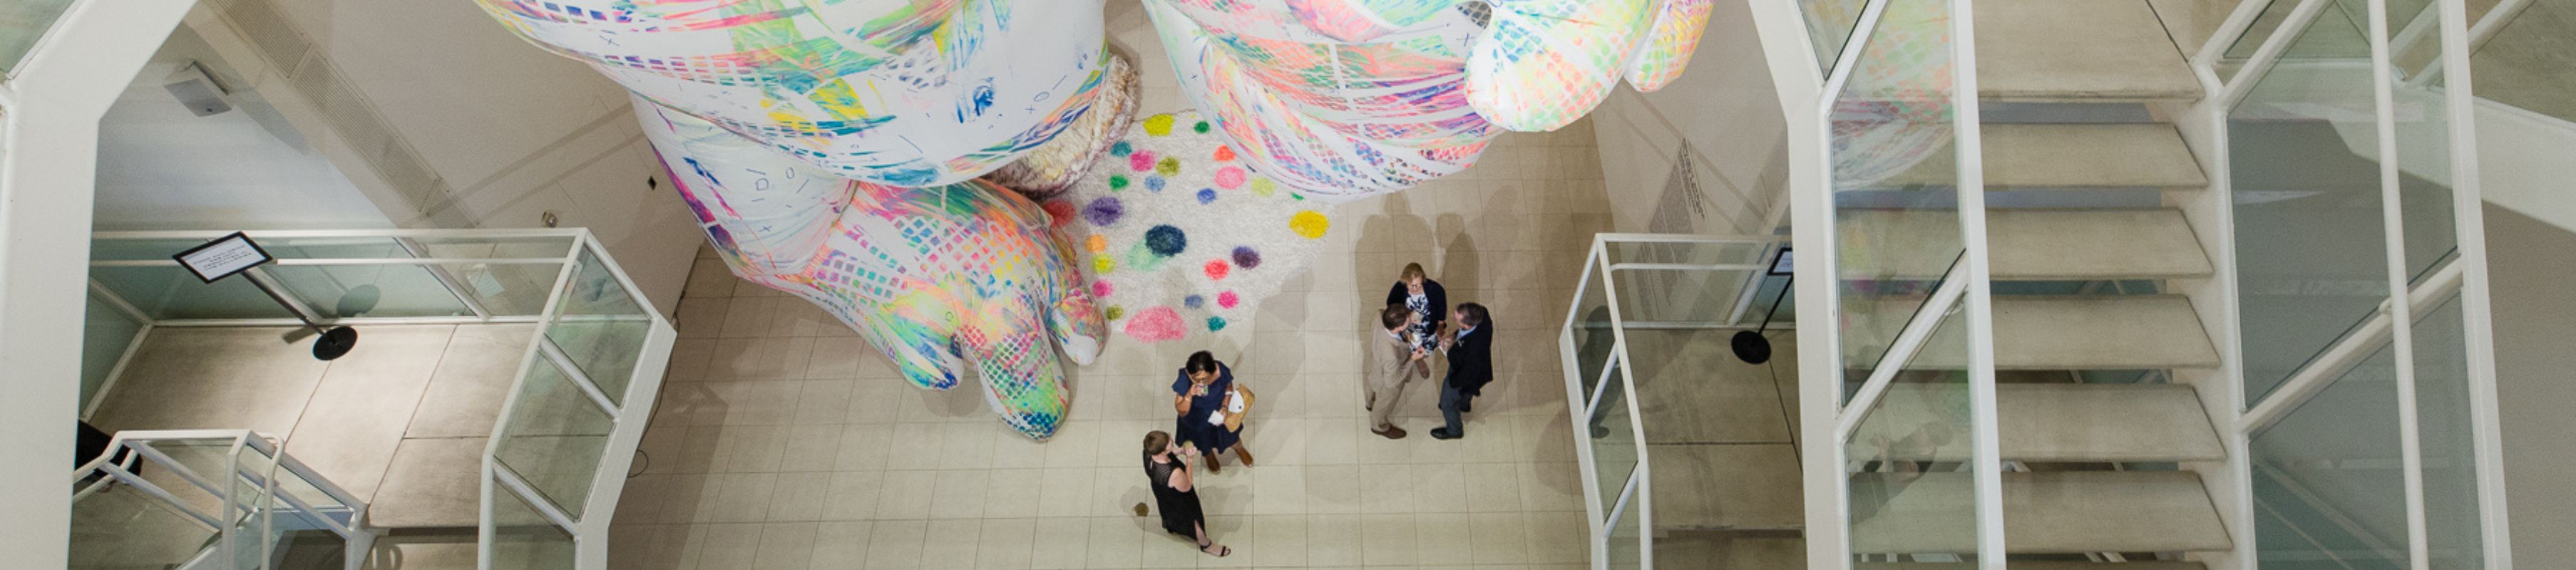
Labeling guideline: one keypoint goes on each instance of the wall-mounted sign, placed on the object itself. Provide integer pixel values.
(223, 257)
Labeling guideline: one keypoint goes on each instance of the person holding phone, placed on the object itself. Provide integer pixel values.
(1199, 396)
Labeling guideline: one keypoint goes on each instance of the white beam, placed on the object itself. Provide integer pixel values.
(47, 175)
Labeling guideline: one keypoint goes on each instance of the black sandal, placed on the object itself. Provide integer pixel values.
(1226, 550)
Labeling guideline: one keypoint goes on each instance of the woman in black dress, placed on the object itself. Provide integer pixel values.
(1167, 470)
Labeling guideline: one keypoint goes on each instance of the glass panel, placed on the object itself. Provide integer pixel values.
(2525, 64)
(2329, 489)
(554, 437)
(1614, 439)
(600, 327)
(1627, 533)
(493, 247)
(1895, 188)
(508, 290)
(2423, 156)
(331, 247)
(2442, 406)
(1676, 297)
(105, 334)
(169, 292)
(342, 291)
(128, 529)
(22, 23)
(1830, 24)
(1593, 338)
(522, 539)
(1692, 253)
(2307, 189)
(2343, 40)
(141, 249)
(1912, 491)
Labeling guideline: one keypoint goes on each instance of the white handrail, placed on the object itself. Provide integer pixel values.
(2366, 338)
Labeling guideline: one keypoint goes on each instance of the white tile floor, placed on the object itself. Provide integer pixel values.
(784, 442)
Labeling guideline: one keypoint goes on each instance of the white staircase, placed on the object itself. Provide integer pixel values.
(2091, 467)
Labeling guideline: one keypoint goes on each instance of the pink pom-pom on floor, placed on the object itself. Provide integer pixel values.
(1141, 161)
(1230, 177)
(1227, 299)
(1101, 289)
(1217, 269)
(1157, 324)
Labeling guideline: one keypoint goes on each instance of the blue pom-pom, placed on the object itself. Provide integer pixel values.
(1166, 241)
(1207, 195)
(1154, 183)
(1193, 301)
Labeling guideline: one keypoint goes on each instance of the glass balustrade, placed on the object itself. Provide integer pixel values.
(210, 499)
(1648, 305)
(574, 414)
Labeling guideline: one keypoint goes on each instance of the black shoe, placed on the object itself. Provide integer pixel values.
(1466, 408)
(1442, 433)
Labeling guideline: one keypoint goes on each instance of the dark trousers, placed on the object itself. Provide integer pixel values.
(1450, 400)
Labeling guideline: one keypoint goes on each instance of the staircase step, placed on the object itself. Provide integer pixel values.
(2040, 245)
(2044, 513)
(2117, 155)
(2055, 422)
(2027, 565)
(2077, 50)
(2132, 332)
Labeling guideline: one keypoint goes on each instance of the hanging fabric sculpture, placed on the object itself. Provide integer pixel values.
(1343, 99)
(942, 279)
(829, 150)
(1178, 237)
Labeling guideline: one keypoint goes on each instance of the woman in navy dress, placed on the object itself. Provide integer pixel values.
(1199, 395)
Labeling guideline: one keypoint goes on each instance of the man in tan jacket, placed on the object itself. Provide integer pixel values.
(1392, 360)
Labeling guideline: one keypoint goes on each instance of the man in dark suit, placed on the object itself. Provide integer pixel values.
(1471, 366)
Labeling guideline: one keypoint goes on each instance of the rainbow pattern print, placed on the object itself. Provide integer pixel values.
(897, 92)
(941, 279)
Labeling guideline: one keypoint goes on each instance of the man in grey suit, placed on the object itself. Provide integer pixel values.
(1393, 360)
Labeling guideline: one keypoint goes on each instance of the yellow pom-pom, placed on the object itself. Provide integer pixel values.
(1263, 187)
(1309, 224)
(1158, 125)
(1104, 264)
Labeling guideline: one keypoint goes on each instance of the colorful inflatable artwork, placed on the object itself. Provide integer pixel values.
(833, 150)
(1343, 99)
(942, 279)
(1177, 236)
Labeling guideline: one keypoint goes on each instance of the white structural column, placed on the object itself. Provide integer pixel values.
(1985, 436)
(2401, 316)
(48, 164)
(2468, 211)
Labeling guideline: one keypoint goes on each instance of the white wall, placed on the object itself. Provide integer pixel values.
(161, 167)
(445, 119)
(1724, 106)
(2533, 261)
